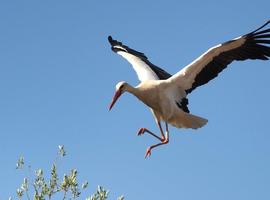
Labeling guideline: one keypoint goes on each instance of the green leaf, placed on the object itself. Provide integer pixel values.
(20, 163)
(120, 198)
(84, 185)
(62, 151)
(19, 193)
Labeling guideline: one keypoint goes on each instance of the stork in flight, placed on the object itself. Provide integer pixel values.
(166, 94)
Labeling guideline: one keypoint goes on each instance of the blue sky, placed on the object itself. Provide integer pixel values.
(57, 77)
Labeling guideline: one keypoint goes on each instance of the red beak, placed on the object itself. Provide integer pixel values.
(115, 97)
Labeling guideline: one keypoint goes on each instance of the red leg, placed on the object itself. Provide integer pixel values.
(143, 130)
(164, 141)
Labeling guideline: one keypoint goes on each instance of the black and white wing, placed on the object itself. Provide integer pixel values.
(144, 68)
(254, 45)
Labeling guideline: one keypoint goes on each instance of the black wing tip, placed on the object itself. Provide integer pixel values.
(110, 38)
(115, 43)
(261, 27)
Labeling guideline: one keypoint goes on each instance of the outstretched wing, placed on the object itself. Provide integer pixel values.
(253, 45)
(144, 68)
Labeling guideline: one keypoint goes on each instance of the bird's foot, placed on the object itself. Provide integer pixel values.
(141, 131)
(148, 152)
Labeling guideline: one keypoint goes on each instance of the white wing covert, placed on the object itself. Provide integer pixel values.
(143, 67)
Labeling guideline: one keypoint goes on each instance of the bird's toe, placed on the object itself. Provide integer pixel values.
(148, 152)
(141, 131)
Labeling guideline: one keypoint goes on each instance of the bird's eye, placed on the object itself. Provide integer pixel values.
(121, 87)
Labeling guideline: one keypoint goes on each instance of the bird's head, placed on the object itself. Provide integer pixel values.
(120, 88)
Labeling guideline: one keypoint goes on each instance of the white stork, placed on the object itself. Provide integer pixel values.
(166, 95)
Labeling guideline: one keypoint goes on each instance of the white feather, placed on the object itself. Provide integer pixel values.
(119, 47)
(144, 72)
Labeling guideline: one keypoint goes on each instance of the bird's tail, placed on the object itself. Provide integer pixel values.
(187, 120)
(193, 121)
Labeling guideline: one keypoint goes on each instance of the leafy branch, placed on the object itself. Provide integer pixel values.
(68, 187)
